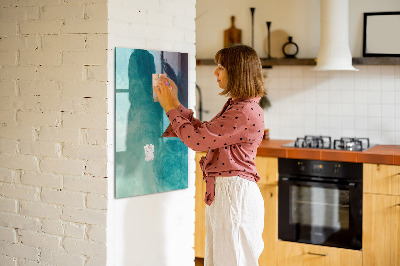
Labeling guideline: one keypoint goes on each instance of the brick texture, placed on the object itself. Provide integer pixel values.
(55, 121)
(53, 107)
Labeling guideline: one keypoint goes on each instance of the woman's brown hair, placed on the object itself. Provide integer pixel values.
(245, 78)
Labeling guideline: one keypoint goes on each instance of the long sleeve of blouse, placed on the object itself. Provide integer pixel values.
(186, 113)
(223, 131)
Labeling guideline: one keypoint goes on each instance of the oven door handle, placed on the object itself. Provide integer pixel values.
(297, 181)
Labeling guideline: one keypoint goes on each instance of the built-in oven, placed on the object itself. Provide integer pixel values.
(320, 202)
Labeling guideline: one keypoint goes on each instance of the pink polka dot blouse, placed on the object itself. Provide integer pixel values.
(231, 139)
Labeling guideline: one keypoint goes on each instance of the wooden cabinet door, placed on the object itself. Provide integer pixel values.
(270, 233)
(267, 168)
(297, 254)
(200, 207)
(381, 230)
(381, 179)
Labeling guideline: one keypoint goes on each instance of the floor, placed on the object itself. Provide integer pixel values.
(199, 262)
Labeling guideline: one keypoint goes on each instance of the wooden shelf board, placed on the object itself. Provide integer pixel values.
(266, 62)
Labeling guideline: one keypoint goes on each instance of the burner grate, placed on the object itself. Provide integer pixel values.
(351, 144)
(320, 142)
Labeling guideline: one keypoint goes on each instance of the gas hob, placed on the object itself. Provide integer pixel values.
(325, 142)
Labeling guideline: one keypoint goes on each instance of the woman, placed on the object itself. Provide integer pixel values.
(235, 207)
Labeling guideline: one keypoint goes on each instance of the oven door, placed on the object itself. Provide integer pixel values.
(321, 212)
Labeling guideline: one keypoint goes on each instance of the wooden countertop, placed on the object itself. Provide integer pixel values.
(379, 154)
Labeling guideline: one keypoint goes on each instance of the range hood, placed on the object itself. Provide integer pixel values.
(334, 51)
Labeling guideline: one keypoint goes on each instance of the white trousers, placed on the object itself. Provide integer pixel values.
(234, 223)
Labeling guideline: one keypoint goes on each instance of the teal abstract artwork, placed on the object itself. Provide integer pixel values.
(145, 163)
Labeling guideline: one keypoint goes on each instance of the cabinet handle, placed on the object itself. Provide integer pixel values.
(318, 254)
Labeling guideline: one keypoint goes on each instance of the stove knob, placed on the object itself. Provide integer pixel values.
(336, 169)
(301, 166)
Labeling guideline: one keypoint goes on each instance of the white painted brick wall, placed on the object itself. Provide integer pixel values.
(8, 205)
(19, 221)
(63, 197)
(61, 258)
(86, 184)
(41, 179)
(75, 230)
(19, 251)
(8, 234)
(97, 234)
(6, 260)
(7, 175)
(19, 192)
(40, 210)
(84, 247)
(41, 240)
(53, 122)
(61, 135)
(53, 227)
(87, 216)
(96, 169)
(53, 107)
(95, 201)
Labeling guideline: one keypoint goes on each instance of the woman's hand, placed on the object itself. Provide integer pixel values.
(174, 93)
(164, 94)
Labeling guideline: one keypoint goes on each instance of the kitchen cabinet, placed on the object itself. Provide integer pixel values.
(381, 179)
(290, 253)
(267, 168)
(270, 233)
(200, 207)
(381, 230)
(381, 215)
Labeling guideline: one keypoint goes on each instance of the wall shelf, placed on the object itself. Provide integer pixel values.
(312, 61)
(376, 61)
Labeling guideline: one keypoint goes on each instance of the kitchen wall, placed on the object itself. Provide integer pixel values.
(155, 229)
(53, 110)
(339, 104)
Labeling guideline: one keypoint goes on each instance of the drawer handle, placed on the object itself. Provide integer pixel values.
(318, 254)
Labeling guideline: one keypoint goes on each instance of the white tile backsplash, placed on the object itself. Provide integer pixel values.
(364, 103)
(388, 97)
(388, 83)
(374, 110)
(388, 111)
(374, 97)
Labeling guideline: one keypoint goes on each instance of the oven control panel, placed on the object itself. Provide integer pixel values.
(331, 169)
